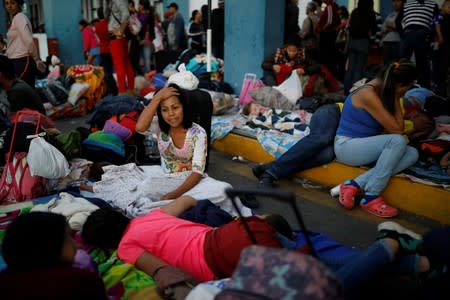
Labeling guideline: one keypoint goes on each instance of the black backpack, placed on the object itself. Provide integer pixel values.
(202, 109)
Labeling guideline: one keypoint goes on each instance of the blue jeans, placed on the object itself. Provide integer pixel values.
(358, 54)
(314, 150)
(415, 40)
(389, 151)
(359, 267)
(146, 54)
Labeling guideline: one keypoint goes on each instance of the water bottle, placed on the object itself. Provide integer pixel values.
(151, 140)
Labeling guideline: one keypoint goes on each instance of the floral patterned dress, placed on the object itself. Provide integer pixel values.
(191, 157)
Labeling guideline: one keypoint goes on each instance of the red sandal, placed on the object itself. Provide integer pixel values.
(379, 208)
(347, 193)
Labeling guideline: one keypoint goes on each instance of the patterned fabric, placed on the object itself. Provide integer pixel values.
(280, 274)
(191, 157)
(282, 58)
(93, 76)
(276, 142)
(223, 125)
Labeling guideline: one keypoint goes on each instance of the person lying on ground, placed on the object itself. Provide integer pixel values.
(370, 131)
(40, 256)
(159, 239)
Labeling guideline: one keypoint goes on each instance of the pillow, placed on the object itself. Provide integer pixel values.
(113, 127)
(77, 90)
(272, 98)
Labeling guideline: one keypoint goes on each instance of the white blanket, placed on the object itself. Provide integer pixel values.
(137, 190)
(75, 209)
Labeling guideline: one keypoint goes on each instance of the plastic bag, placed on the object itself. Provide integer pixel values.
(250, 83)
(184, 79)
(77, 90)
(291, 88)
(46, 161)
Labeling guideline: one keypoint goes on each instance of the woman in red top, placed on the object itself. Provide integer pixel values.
(91, 47)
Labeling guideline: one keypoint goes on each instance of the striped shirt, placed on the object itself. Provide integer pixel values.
(419, 14)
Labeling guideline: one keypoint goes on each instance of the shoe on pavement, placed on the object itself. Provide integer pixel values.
(266, 181)
(259, 170)
(250, 201)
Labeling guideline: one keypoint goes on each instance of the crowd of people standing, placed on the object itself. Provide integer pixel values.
(343, 42)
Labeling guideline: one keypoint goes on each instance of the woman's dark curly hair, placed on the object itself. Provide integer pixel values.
(188, 116)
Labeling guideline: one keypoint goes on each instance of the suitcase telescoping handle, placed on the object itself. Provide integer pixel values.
(278, 194)
(18, 118)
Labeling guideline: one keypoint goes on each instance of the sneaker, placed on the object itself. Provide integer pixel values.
(258, 170)
(408, 240)
(250, 201)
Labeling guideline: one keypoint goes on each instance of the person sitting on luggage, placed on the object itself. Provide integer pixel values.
(20, 94)
(159, 239)
(370, 131)
(43, 261)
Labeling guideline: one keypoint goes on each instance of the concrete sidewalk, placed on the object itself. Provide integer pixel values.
(422, 200)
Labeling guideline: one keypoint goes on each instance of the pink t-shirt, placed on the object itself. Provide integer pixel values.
(20, 38)
(178, 242)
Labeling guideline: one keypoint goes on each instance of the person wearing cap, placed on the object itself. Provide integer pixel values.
(176, 33)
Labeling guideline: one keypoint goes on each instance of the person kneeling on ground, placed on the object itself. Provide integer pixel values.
(160, 240)
(40, 254)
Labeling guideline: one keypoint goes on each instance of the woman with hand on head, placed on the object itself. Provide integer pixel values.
(370, 131)
(21, 49)
(182, 144)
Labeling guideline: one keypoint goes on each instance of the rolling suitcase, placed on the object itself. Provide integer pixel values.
(281, 195)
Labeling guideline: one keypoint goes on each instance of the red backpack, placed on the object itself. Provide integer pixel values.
(16, 182)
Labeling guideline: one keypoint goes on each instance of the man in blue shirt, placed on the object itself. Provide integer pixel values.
(176, 34)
